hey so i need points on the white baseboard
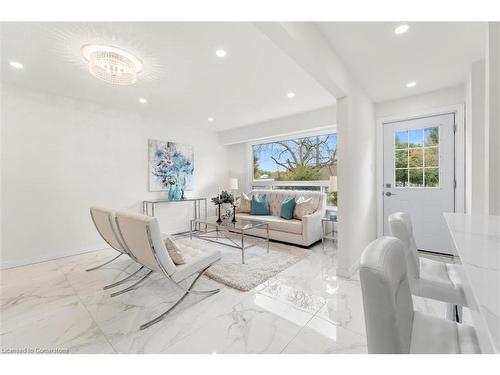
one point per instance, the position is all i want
(44, 258)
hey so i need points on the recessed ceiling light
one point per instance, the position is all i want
(290, 94)
(411, 84)
(16, 65)
(401, 29)
(210, 119)
(220, 53)
(143, 100)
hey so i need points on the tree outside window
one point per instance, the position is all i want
(304, 159)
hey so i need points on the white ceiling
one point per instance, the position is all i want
(184, 82)
(434, 54)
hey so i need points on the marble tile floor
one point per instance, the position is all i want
(307, 308)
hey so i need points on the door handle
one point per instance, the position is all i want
(388, 194)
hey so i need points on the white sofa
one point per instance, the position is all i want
(303, 232)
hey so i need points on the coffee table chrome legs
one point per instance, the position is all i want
(242, 247)
(267, 227)
(229, 235)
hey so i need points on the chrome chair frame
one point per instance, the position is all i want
(121, 242)
(165, 273)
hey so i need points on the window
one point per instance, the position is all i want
(302, 163)
(416, 158)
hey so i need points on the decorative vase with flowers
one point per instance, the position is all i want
(222, 198)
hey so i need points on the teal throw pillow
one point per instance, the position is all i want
(259, 205)
(287, 207)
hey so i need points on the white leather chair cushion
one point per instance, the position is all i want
(387, 301)
(401, 227)
(455, 275)
(276, 223)
(436, 282)
(391, 324)
(134, 230)
(196, 260)
(431, 335)
(104, 220)
(467, 339)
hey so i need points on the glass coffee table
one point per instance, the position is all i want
(220, 232)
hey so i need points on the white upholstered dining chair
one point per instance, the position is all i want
(392, 326)
(142, 237)
(104, 221)
(429, 278)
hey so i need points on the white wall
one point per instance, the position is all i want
(318, 119)
(61, 156)
(476, 172)
(239, 163)
(417, 103)
(493, 117)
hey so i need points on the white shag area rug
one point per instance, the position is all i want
(259, 265)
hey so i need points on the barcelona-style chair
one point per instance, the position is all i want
(392, 325)
(429, 278)
(142, 237)
(105, 223)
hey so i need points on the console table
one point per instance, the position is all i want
(148, 206)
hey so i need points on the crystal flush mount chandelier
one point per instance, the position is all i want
(112, 64)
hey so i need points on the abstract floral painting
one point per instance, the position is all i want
(170, 162)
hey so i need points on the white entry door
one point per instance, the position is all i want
(419, 177)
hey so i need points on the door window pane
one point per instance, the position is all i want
(401, 160)
(431, 177)
(431, 136)
(431, 156)
(401, 177)
(401, 139)
(416, 158)
(416, 177)
(416, 138)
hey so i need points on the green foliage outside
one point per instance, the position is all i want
(417, 164)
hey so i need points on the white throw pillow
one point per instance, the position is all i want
(174, 252)
(303, 207)
(244, 204)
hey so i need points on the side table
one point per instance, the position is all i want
(328, 234)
